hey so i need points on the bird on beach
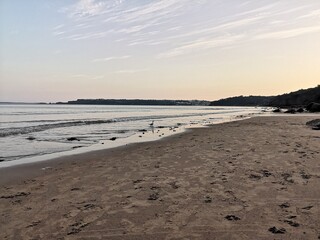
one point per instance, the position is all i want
(151, 124)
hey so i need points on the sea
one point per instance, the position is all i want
(36, 132)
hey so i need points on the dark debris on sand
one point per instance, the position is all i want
(275, 230)
(284, 205)
(291, 223)
(314, 124)
(232, 218)
(153, 196)
(19, 194)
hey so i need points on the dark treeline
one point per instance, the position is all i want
(242, 101)
(300, 98)
(137, 102)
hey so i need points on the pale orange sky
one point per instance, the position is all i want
(160, 49)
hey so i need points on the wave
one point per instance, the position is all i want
(24, 130)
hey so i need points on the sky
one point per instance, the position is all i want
(157, 49)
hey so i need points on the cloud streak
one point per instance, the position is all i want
(107, 59)
(85, 8)
(201, 45)
(166, 28)
(131, 71)
(289, 33)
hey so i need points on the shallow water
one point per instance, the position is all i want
(33, 130)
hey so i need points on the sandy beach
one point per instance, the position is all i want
(253, 179)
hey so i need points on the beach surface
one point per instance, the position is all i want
(253, 179)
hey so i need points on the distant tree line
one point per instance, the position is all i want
(298, 98)
(294, 99)
(242, 101)
(138, 102)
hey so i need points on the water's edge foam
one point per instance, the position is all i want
(107, 144)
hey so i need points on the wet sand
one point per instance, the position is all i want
(253, 179)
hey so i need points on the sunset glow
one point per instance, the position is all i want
(157, 49)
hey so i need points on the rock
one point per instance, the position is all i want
(300, 110)
(275, 230)
(277, 110)
(232, 218)
(314, 124)
(313, 107)
(30, 138)
(73, 139)
(113, 139)
(291, 110)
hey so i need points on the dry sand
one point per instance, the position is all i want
(252, 179)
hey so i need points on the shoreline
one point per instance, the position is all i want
(235, 180)
(155, 134)
(21, 170)
(25, 141)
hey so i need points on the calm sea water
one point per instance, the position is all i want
(32, 130)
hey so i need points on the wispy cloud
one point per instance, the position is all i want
(166, 24)
(239, 23)
(153, 10)
(130, 17)
(314, 13)
(90, 35)
(58, 27)
(111, 58)
(130, 71)
(87, 76)
(85, 8)
(288, 33)
(57, 33)
(202, 45)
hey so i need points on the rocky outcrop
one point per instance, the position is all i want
(314, 124)
(313, 107)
